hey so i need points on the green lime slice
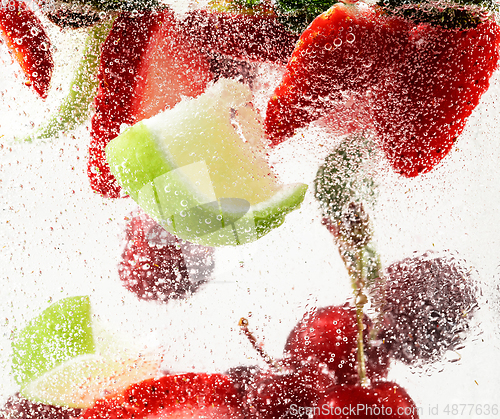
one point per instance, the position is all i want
(198, 169)
(63, 358)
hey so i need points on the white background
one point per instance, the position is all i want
(58, 239)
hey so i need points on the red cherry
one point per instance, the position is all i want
(385, 400)
(329, 335)
(158, 266)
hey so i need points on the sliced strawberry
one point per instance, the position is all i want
(26, 38)
(420, 113)
(345, 51)
(423, 79)
(147, 65)
(173, 396)
(241, 36)
(156, 265)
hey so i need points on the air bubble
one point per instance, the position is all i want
(337, 42)
(184, 203)
(350, 38)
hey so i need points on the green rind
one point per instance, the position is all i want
(296, 15)
(124, 5)
(168, 194)
(75, 108)
(449, 14)
(144, 161)
(61, 332)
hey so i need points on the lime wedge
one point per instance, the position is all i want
(63, 358)
(198, 169)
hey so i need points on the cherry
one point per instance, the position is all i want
(384, 400)
(329, 335)
(158, 266)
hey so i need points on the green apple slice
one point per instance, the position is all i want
(63, 358)
(198, 169)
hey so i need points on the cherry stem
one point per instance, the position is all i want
(352, 257)
(358, 282)
(243, 323)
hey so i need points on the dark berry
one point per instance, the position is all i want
(244, 378)
(429, 301)
(17, 407)
(156, 265)
(70, 14)
(231, 68)
(274, 395)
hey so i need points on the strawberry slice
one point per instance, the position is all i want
(423, 79)
(147, 65)
(445, 73)
(257, 37)
(26, 38)
(345, 51)
(173, 396)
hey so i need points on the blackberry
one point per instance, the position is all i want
(429, 301)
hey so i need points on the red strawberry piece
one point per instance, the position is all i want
(345, 119)
(240, 36)
(344, 52)
(420, 113)
(147, 65)
(26, 38)
(329, 335)
(158, 266)
(383, 400)
(185, 395)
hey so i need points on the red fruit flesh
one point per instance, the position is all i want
(240, 36)
(185, 395)
(147, 65)
(26, 38)
(158, 266)
(329, 335)
(353, 116)
(420, 112)
(385, 400)
(344, 51)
